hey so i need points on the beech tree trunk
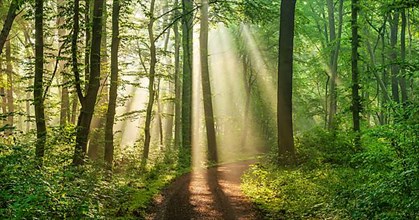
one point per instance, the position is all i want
(151, 92)
(285, 75)
(89, 101)
(41, 130)
(187, 44)
(206, 85)
(356, 99)
(113, 90)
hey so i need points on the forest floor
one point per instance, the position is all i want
(212, 193)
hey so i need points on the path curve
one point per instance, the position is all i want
(206, 194)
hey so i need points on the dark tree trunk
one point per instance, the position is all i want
(41, 130)
(113, 91)
(206, 85)
(65, 95)
(7, 26)
(187, 44)
(285, 73)
(151, 92)
(88, 103)
(356, 99)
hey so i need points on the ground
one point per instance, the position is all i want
(212, 193)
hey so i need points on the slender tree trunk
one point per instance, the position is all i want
(285, 74)
(334, 55)
(41, 131)
(89, 102)
(88, 33)
(28, 112)
(384, 77)
(65, 95)
(159, 112)
(402, 78)
(151, 92)
(113, 91)
(74, 106)
(187, 44)
(206, 85)
(10, 100)
(178, 83)
(393, 56)
(356, 100)
(7, 26)
(3, 97)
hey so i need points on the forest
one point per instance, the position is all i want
(209, 109)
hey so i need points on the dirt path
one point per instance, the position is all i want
(206, 194)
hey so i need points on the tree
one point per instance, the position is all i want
(356, 99)
(113, 90)
(88, 102)
(187, 44)
(151, 77)
(206, 85)
(178, 85)
(285, 72)
(41, 130)
(7, 26)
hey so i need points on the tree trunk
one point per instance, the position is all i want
(285, 74)
(402, 78)
(356, 100)
(3, 98)
(334, 55)
(206, 85)
(113, 90)
(393, 56)
(10, 100)
(65, 96)
(88, 103)
(187, 44)
(7, 26)
(151, 92)
(41, 131)
(178, 85)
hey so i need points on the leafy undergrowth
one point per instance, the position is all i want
(334, 181)
(62, 191)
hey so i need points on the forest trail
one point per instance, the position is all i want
(213, 194)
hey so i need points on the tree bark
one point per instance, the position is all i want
(394, 26)
(7, 26)
(285, 74)
(402, 78)
(178, 83)
(41, 131)
(10, 100)
(356, 99)
(187, 44)
(151, 92)
(113, 90)
(65, 95)
(88, 103)
(206, 86)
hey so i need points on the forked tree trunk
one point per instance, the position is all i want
(89, 101)
(151, 92)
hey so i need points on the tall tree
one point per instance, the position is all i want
(285, 72)
(113, 90)
(187, 44)
(41, 130)
(7, 26)
(151, 77)
(10, 99)
(206, 85)
(402, 78)
(65, 96)
(178, 86)
(394, 28)
(88, 102)
(356, 99)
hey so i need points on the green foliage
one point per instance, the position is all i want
(332, 180)
(62, 191)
